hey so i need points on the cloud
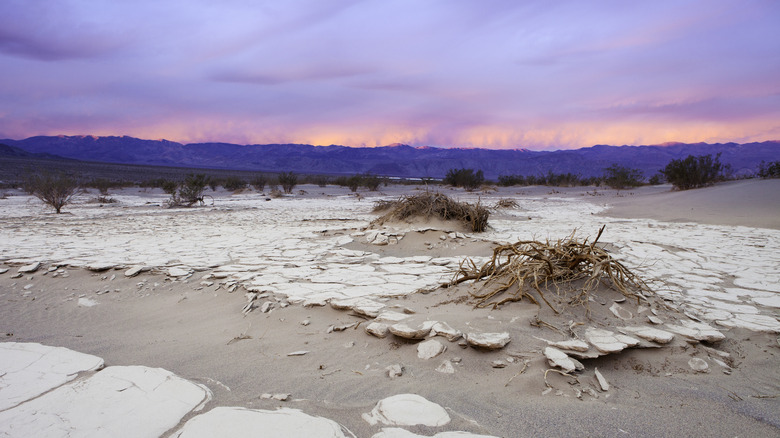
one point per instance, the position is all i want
(494, 74)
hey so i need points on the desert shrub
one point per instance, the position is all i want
(169, 186)
(189, 192)
(550, 179)
(321, 180)
(619, 177)
(655, 180)
(288, 181)
(465, 178)
(354, 182)
(511, 180)
(103, 199)
(341, 181)
(371, 181)
(233, 183)
(102, 185)
(428, 205)
(259, 182)
(693, 172)
(55, 191)
(769, 170)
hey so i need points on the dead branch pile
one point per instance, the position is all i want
(506, 203)
(527, 266)
(429, 205)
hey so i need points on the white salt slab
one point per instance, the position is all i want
(131, 402)
(87, 302)
(241, 422)
(558, 358)
(394, 432)
(430, 349)
(407, 410)
(773, 301)
(27, 370)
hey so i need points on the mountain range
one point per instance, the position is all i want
(394, 160)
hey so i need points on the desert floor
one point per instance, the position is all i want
(710, 256)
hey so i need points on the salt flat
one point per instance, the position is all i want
(283, 260)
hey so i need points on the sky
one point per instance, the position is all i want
(499, 74)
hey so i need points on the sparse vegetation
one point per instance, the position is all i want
(769, 170)
(656, 179)
(102, 185)
(427, 205)
(371, 181)
(619, 177)
(693, 172)
(55, 191)
(321, 180)
(353, 182)
(189, 192)
(169, 186)
(259, 183)
(233, 183)
(550, 179)
(465, 178)
(288, 181)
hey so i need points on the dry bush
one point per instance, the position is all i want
(55, 191)
(506, 203)
(429, 205)
(276, 193)
(288, 181)
(519, 269)
(190, 192)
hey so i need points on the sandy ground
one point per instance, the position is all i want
(750, 203)
(193, 326)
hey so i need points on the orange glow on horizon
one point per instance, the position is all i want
(562, 136)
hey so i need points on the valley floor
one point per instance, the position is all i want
(137, 284)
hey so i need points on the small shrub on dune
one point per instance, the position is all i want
(619, 177)
(427, 205)
(694, 172)
(769, 170)
(572, 268)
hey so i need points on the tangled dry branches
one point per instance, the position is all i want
(524, 266)
(506, 203)
(433, 205)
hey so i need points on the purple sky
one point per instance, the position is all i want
(497, 74)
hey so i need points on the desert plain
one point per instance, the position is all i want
(253, 305)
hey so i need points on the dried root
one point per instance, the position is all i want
(526, 266)
(433, 205)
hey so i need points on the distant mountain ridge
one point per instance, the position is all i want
(394, 160)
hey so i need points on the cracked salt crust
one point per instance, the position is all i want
(281, 245)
